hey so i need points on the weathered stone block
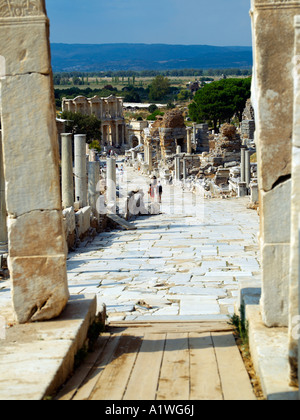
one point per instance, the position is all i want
(83, 220)
(30, 144)
(275, 284)
(25, 233)
(23, 49)
(35, 298)
(275, 214)
(273, 77)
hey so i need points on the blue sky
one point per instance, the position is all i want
(211, 22)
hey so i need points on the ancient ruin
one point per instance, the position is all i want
(108, 110)
(201, 265)
(37, 252)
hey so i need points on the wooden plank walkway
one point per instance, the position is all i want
(162, 361)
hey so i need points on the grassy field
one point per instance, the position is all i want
(144, 82)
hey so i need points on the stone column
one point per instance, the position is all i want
(93, 178)
(273, 41)
(294, 289)
(243, 177)
(123, 134)
(111, 180)
(178, 150)
(67, 184)
(177, 169)
(184, 170)
(247, 168)
(194, 133)
(3, 223)
(117, 134)
(150, 158)
(146, 153)
(37, 246)
(80, 170)
(189, 140)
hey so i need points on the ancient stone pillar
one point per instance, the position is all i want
(3, 224)
(80, 170)
(294, 310)
(243, 178)
(184, 169)
(273, 41)
(247, 168)
(177, 169)
(150, 158)
(189, 140)
(93, 179)
(117, 134)
(111, 180)
(67, 184)
(37, 251)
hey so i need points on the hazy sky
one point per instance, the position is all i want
(211, 22)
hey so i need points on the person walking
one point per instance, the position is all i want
(151, 192)
(159, 191)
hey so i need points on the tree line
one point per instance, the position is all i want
(81, 77)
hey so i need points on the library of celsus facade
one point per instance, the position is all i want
(108, 110)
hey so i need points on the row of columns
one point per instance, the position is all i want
(178, 172)
(108, 130)
(86, 174)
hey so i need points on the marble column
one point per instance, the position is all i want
(177, 169)
(36, 238)
(243, 173)
(184, 170)
(93, 179)
(3, 216)
(67, 183)
(247, 168)
(189, 140)
(272, 99)
(80, 170)
(111, 184)
(294, 263)
(150, 157)
(117, 134)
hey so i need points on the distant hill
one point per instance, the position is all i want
(113, 57)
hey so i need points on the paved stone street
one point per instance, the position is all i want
(183, 264)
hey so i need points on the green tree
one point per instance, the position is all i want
(159, 88)
(184, 95)
(83, 124)
(220, 101)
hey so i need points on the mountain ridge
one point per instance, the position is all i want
(124, 56)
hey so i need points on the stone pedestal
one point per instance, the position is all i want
(37, 247)
(80, 169)
(67, 184)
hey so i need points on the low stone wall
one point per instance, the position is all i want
(78, 225)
